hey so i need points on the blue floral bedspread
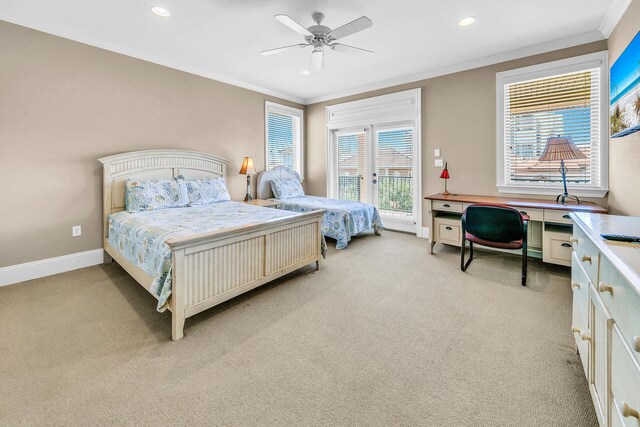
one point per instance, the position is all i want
(342, 219)
(141, 237)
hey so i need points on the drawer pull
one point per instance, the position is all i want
(602, 287)
(448, 228)
(575, 330)
(575, 285)
(566, 245)
(586, 258)
(573, 240)
(636, 343)
(446, 205)
(585, 337)
(628, 411)
(566, 216)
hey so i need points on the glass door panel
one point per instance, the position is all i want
(395, 172)
(352, 166)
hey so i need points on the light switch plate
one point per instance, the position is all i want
(436, 152)
(439, 163)
(76, 231)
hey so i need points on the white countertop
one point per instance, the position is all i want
(624, 256)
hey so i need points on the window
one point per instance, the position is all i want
(565, 98)
(283, 131)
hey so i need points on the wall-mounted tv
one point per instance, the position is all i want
(624, 91)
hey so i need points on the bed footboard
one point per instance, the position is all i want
(212, 268)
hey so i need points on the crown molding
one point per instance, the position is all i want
(576, 40)
(71, 35)
(613, 16)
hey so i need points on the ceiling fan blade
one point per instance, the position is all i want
(286, 20)
(349, 49)
(352, 27)
(282, 49)
(317, 59)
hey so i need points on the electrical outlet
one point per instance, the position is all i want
(76, 231)
(439, 163)
(436, 152)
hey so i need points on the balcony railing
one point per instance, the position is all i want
(395, 193)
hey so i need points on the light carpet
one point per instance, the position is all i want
(384, 334)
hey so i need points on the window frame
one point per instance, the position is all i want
(550, 69)
(298, 147)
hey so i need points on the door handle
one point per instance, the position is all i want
(375, 174)
(375, 181)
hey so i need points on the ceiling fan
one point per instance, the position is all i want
(320, 36)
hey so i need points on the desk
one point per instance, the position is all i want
(550, 226)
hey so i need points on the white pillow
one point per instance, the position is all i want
(286, 188)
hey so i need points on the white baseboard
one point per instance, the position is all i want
(424, 233)
(47, 267)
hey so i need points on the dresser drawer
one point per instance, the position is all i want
(587, 253)
(447, 230)
(560, 217)
(625, 381)
(580, 287)
(439, 205)
(556, 248)
(623, 303)
(580, 330)
(534, 214)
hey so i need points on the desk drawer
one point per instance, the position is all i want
(556, 248)
(587, 253)
(439, 205)
(534, 214)
(625, 382)
(560, 217)
(580, 329)
(580, 287)
(447, 230)
(622, 302)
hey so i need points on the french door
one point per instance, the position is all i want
(377, 165)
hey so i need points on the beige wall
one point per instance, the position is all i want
(624, 153)
(64, 104)
(458, 116)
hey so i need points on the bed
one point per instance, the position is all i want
(342, 219)
(239, 248)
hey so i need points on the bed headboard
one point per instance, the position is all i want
(153, 164)
(263, 184)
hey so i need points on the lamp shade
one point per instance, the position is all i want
(561, 148)
(445, 172)
(247, 167)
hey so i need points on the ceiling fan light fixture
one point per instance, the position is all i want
(160, 11)
(465, 22)
(305, 72)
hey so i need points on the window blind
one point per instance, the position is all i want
(352, 164)
(283, 139)
(568, 105)
(395, 170)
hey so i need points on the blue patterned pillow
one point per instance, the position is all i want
(155, 194)
(286, 188)
(204, 191)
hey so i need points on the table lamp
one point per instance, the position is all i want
(248, 169)
(562, 148)
(445, 175)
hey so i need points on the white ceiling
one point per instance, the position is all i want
(412, 39)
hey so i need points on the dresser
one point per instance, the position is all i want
(605, 279)
(549, 229)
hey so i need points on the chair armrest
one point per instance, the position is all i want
(525, 217)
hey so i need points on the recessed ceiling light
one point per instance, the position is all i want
(305, 72)
(467, 21)
(160, 11)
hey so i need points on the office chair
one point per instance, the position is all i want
(495, 226)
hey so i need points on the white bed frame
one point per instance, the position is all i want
(210, 268)
(263, 182)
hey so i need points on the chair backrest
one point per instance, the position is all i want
(495, 223)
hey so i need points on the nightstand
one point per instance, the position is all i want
(263, 203)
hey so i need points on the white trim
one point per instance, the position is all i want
(72, 35)
(592, 60)
(298, 152)
(47, 267)
(484, 61)
(612, 17)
